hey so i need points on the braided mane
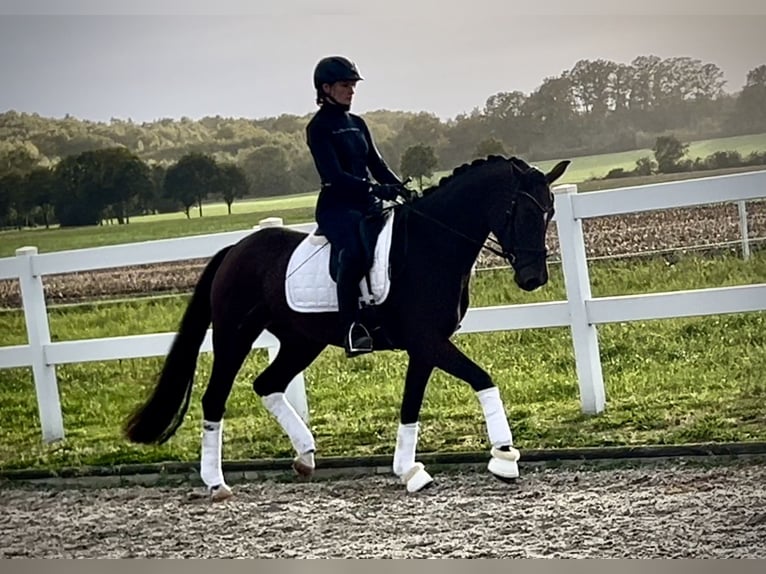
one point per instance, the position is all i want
(470, 167)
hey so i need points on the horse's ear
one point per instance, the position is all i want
(557, 171)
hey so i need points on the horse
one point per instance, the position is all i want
(436, 238)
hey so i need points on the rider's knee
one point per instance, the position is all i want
(351, 260)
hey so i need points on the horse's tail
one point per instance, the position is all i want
(163, 412)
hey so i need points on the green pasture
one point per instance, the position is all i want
(61, 239)
(240, 207)
(669, 381)
(597, 166)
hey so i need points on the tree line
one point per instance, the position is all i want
(121, 168)
(108, 184)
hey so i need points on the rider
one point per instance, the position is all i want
(345, 156)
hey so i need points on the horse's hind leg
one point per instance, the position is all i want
(230, 348)
(295, 354)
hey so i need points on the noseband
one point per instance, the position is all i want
(510, 254)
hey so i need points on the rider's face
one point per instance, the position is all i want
(341, 92)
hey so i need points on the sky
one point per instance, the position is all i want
(153, 59)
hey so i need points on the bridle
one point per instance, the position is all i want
(510, 213)
(493, 245)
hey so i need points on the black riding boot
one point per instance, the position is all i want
(356, 339)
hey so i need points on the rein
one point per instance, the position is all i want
(490, 244)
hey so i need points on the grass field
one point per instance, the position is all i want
(597, 166)
(60, 239)
(670, 381)
(240, 207)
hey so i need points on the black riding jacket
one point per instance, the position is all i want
(345, 156)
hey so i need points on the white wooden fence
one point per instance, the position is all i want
(581, 312)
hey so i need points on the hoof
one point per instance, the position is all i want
(417, 478)
(220, 493)
(504, 464)
(303, 465)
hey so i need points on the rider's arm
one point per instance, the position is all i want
(375, 162)
(330, 171)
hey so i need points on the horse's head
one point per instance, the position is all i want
(519, 219)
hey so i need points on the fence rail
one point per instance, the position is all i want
(580, 311)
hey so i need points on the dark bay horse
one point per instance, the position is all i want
(435, 243)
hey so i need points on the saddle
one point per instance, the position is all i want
(312, 271)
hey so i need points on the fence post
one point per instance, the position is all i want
(38, 335)
(743, 230)
(577, 282)
(296, 389)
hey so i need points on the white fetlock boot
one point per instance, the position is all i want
(417, 478)
(296, 429)
(210, 463)
(411, 473)
(504, 458)
(504, 463)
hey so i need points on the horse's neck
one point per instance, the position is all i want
(463, 227)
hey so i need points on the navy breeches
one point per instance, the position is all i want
(341, 227)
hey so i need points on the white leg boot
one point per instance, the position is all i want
(504, 458)
(210, 461)
(299, 434)
(411, 473)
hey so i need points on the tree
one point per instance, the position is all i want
(124, 178)
(505, 105)
(621, 81)
(5, 201)
(462, 138)
(11, 197)
(191, 180)
(643, 89)
(668, 150)
(422, 128)
(418, 161)
(77, 196)
(751, 104)
(268, 169)
(232, 184)
(552, 111)
(593, 85)
(39, 186)
(552, 102)
(489, 146)
(504, 117)
(645, 166)
(19, 159)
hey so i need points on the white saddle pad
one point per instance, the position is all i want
(309, 287)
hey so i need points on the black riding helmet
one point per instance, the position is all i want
(334, 69)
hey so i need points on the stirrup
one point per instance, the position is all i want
(360, 344)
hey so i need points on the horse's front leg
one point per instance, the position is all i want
(412, 473)
(504, 458)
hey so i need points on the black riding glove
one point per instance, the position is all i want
(386, 191)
